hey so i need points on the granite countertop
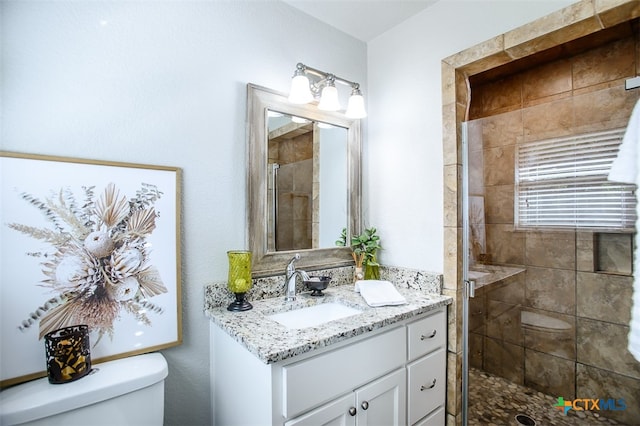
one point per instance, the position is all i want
(272, 342)
(489, 274)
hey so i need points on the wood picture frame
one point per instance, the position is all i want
(87, 242)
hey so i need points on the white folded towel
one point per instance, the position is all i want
(379, 293)
(625, 166)
(625, 169)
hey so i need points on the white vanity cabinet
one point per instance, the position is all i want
(382, 377)
(426, 372)
(381, 402)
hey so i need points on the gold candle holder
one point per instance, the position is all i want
(239, 282)
(68, 354)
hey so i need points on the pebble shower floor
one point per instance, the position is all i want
(494, 401)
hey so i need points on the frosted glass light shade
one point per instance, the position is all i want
(300, 92)
(355, 109)
(329, 99)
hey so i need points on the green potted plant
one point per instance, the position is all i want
(364, 250)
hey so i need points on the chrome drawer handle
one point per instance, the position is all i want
(433, 384)
(365, 405)
(352, 411)
(433, 334)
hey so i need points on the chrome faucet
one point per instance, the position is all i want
(290, 280)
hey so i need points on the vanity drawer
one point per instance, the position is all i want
(427, 334)
(427, 384)
(319, 379)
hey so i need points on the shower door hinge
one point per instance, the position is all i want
(470, 288)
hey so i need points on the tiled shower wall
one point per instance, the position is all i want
(580, 278)
(295, 190)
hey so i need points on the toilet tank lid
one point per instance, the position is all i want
(40, 399)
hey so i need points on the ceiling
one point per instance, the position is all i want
(362, 19)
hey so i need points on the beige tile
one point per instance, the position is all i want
(584, 251)
(453, 420)
(448, 83)
(551, 249)
(477, 313)
(506, 95)
(548, 120)
(499, 204)
(551, 290)
(476, 351)
(475, 160)
(479, 56)
(547, 80)
(604, 345)
(475, 109)
(450, 135)
(604, 297)
(509, 290)
(603, 109)
(611, 62)
(502, 129)
(549, 374)
(452, 196)
(499, 165)
(454, 323)
(505, 245)
(504, 359)
(454, 383)
(613, 12)
(593, 382)
(452, 259)
(492, 61)
(462, 93)
(503, 322)
(550, 333)
(557, 28)
(614, 253)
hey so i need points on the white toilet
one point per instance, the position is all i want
(127, 391)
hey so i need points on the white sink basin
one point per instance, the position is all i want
(313, 316)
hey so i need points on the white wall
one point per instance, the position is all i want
(403, 167)
(162, 82)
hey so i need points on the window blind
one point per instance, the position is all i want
(562, 183)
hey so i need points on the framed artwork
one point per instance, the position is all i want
(86, 242)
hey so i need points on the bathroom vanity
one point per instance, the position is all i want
(385, 364)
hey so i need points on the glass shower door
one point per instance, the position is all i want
(468, 284)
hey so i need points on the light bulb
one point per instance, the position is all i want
(300, 92)
(355, 109)
(329, 99)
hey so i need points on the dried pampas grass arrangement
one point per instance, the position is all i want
(99, 264)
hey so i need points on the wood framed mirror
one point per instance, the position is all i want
(303, 183)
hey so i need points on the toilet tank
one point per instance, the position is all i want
(127, 391)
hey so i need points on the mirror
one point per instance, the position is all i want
(304, 184)
(307, 190)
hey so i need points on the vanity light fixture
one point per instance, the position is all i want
(309, 83)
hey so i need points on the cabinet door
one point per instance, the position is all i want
(383, 402)
(340, 412)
